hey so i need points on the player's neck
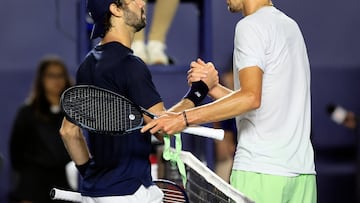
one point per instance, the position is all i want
(123, 37)
(252, 6)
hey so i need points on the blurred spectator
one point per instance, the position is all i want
(153, 52)
(343, 117)
(348, 119)
(37, 153)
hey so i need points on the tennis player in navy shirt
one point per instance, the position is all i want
(115, 168)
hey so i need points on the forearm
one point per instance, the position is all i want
(157, 109)
(77, 149)
(75, 143)
(236, 103)
(230, 106)
(182, 105)
(219, 91)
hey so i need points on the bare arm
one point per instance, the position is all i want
(234, 104)
(74, 142)
(182, 105)
(219, 91)
(238, 102)
(158, 109)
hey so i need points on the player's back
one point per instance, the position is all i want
(120, 163)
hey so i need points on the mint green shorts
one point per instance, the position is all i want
(263, 188)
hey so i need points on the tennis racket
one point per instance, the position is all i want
(173, 193)
(102, 111)
(65, 195)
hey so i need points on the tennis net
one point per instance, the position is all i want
(204, 186)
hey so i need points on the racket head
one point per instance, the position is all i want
(100, 110)
(172, 191)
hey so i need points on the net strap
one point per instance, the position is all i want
(174, 156)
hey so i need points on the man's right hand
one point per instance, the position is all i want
(199, 70)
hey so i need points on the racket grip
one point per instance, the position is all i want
(205, 132)
(57, 194)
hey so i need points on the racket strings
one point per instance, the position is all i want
(114, 112)
(173, 196)
(172, 192)
(101, 110)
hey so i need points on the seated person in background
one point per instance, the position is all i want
(343, 117)
(350, 120)
(38, 156)
(153, 52)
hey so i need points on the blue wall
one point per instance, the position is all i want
(331, 28)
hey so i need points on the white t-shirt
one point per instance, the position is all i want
(275, 138)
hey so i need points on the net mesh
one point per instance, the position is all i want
(100, 110)
(203, 185)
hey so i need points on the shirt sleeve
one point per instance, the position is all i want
(84, 74)
(249, 46)
(140, 87)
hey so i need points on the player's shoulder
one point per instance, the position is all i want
(26, 106)
(109, 52)
(25, 110)
(118, 54)
(262, 16)
(135, 60)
